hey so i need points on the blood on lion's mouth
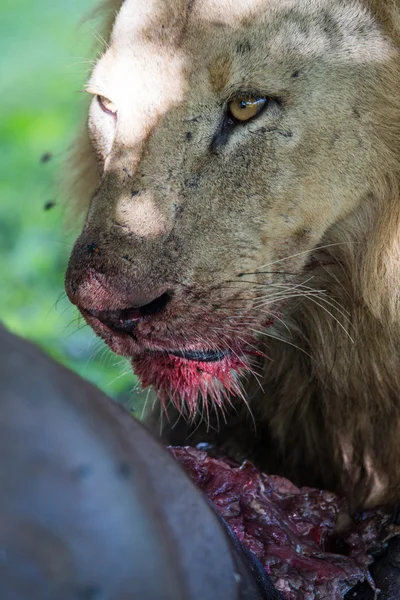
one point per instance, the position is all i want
(191, 378)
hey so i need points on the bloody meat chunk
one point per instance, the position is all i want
(291, 529)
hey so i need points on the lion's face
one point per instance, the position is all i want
(184, 255)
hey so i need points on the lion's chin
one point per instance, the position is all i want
(193, 379)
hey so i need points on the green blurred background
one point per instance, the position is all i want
(45, 50)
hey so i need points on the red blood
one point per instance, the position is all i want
(186, 382)
(191, 384)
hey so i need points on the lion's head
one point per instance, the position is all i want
(231, 139)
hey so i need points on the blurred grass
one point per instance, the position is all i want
(44, 64)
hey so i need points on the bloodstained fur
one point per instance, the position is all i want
(186, 382)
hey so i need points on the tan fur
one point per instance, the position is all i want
(219, 72)
(310, 188)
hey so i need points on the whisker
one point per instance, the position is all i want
(284, 324)
(68, 335)
(332, 301)
(307, 252)
(284, 341)
(97, 35)
(246, 402)
(267, 273)
(62, 295)
(145, 405)
(272, 299)
(162, 413)
(118, 377)
(334, 318)
(98, 350)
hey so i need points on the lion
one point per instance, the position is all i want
(240, 177)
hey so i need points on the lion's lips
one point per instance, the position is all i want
(125, 342)
(200, 355)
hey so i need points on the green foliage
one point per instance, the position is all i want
(44, 54)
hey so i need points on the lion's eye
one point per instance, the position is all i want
(107, 105)
(244, 109)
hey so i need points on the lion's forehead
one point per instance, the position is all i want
(177, 22)
(158, 46)
(137, 15)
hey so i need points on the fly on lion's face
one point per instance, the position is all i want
(242, 152)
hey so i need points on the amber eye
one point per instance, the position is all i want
(243, 109)
(107, 105)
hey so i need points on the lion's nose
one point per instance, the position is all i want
(126, 319)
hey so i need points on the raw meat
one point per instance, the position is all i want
(292, 530)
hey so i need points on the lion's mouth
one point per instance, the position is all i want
(200, 355)
(182, 372)
(124, 340)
